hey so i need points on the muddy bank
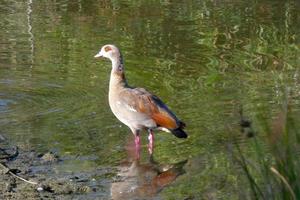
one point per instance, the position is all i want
(27, 174)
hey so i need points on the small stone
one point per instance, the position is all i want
(49, 157)
(84, 189)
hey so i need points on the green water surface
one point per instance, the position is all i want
(206, 59)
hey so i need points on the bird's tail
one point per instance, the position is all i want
(179, 132)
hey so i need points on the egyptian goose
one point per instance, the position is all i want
(135, 107)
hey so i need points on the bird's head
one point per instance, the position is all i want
(108, 51)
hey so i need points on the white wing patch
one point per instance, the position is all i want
(131, 108)
(126, 106)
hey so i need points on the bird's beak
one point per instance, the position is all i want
(98, 55)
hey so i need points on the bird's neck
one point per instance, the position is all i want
(117, 76)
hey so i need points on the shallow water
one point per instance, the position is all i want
(205, 59)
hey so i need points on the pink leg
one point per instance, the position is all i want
(137, 141)
(151, 141)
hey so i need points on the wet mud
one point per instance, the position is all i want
(26, 174)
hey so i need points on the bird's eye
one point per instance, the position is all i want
(107, 48)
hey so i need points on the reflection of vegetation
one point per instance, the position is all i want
(200, 57)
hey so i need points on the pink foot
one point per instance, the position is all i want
(151, 142)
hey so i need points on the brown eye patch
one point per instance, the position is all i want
(107, 48)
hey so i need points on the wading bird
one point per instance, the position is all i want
(136, 107)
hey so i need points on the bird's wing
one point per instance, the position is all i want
(141, 101)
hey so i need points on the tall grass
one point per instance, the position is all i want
(275, 174)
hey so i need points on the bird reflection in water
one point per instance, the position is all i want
(140, 180)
